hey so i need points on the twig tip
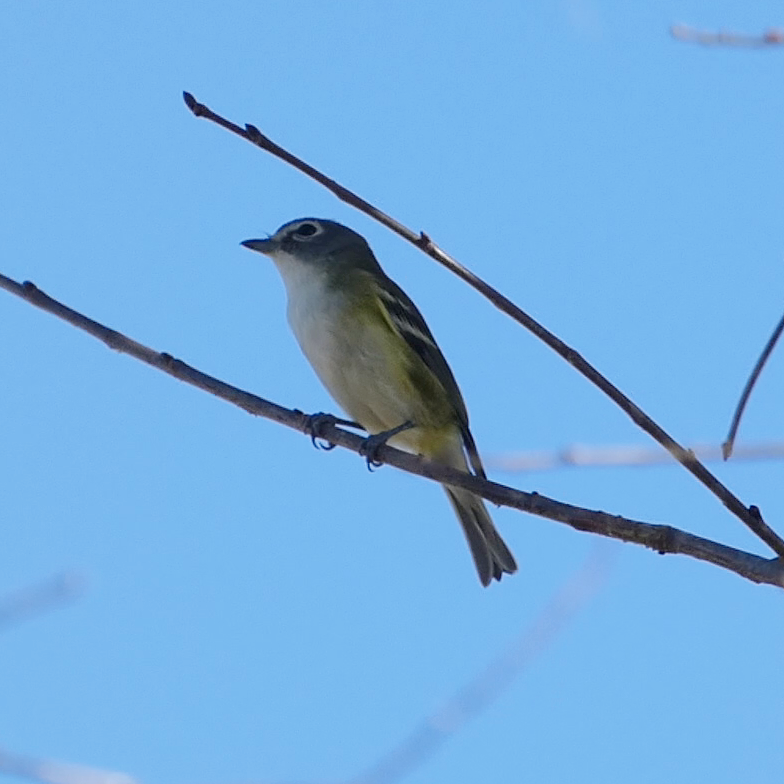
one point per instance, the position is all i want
(679, 31)
(192, 103)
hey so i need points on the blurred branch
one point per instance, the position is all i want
(53, 772)
(425, 740)
(661, 538)
(752, 520)
(728, 445)
(771, 37)
(39, 598)
(581, 456)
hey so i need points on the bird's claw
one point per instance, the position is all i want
(314, 426)
(369, 450)
(370, 446)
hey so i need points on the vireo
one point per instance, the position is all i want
(373, 352)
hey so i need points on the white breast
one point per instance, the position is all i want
(350, 357)
(315, 313)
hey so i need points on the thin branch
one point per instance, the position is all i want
(728, 445)
(425, 740)
(39, 598)
(661, 538)
(47, 771)
(771, 37)
(752, 520)
(582, 456)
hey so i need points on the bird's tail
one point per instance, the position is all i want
(491, 555)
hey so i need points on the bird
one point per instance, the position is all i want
(372, 350)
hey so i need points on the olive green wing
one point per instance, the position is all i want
(412, 327)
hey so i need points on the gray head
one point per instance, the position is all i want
(316, 241)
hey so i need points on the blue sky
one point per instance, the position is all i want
(257, 610)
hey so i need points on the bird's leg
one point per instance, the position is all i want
(315, 424)
(371, 445)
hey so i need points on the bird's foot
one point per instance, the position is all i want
(315, 424)
(371, 445)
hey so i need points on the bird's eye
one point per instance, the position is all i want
(305, 230)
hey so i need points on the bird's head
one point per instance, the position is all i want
(315, 242)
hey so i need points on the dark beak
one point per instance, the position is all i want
(262, 246)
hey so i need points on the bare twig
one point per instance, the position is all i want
(38, 598)
(728, 445)
(53, 772)
(581, 456)
(661, 538)
(425, 740)
(751, 519)
(772, 37)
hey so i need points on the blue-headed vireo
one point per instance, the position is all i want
(373, 352)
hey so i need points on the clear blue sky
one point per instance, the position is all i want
(257, 610)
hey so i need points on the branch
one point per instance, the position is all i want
(581, 456)
(753, 520)
(728, 445)
(475, 696)
(52, 772)
(38, 598)
(427, 737)
(661, 538)
(771, 37)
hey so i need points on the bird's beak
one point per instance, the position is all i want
(267, 247)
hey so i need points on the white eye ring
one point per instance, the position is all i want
(305, 231)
